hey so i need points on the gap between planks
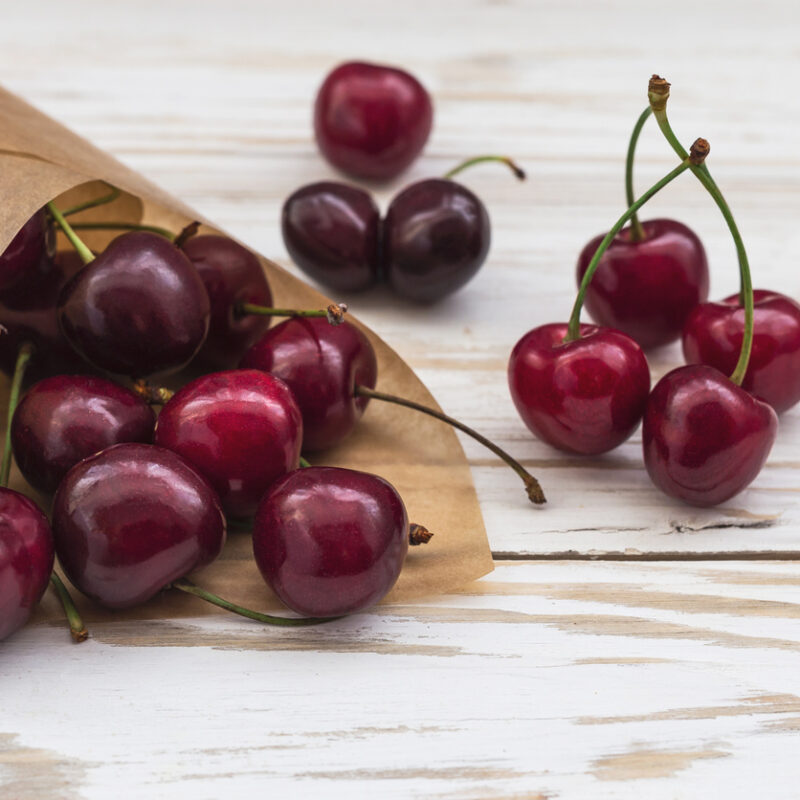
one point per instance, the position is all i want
(575, 555)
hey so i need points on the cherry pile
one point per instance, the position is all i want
(707, 427)
(143, 500)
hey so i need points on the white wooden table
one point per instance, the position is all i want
(625, 646)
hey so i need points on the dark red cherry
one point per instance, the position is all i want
(28, 314)
(64, 419)
(371, 121)
(436, 237)
(584, 396)
(713, 335)
(705, 439)
(26, 559)
(232, 276)
(241, 429)
(132, 519)
(138, 309)
(321, 364)
(647, 288)
(33, 242)
(330, 541)
(332, 231)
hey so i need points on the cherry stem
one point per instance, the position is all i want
(574, 327)
(534, 490)
(658, 101)
(418, 534)
(23, 357)
(268, 619)
(76, 627)
(334, 313)
(515, 168)
(304, 463)
(637, 232)
(123, 226)
(83, 251)
(98, 201)
(154, 395)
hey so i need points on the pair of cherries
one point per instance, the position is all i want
(705, 437)
(433, 240)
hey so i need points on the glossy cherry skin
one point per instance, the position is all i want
(130, 520)
(232, 276)
(713, 335)
(586, 396)
(33, 242)
(436, 237)
(26, 559)
(330, 541)
(648, 288)
(66, 418)
(241, 429)
(371, 121)
(28, 313)
(332, 232)
(704, 438)
(321, 364)
(138, 309)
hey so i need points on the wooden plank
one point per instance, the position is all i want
(546, 680)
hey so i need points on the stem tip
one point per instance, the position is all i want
(699, 151)
(335, 313)
(186, 234)
(418, 534)
(535, 493)
(658, 92)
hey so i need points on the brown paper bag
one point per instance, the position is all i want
(41, 160)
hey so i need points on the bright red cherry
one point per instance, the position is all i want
(241, 429)
(713, 335)
(28, 314)
(26, 559)
(33, 242)
(321, 364)
(132, 519)
(232, 276)
(436, 237)
(139, 308)
(371, 121)
(584, 396)
(704, 438)
(332, 232)
(64, 419)
(647, 288)
(330, 541)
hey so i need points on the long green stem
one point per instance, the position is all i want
(334, 313)
(287, 622)
(83, 251)
(534, 490)
(23, 357)
(123, 226)
(573, 330)
(659, 105)
(470, 162)
(76, 627)
(637, 232)
(98, 201)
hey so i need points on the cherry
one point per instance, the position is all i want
(322, 366)
(26, 559)
(436, 237)
(371, 120)
(232, 276)
(647, 287)
(28, 314)
(241, 429)
(330, 541)
(584, 396)
(138, 308)
(130, 520)
(705, 438)
(332, 232)
(33, 242)
(713, 335)
(64, 419)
